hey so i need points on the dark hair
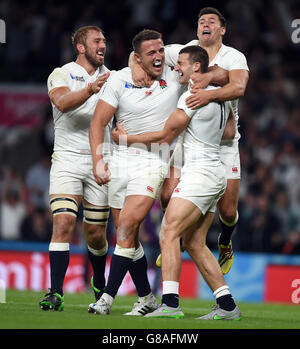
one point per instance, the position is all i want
(79, 37)
(212, 10)
(197, 54)
(144, 35)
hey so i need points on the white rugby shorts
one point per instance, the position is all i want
(230, 158)
(72, 174)
(134, 174)
(203, 187)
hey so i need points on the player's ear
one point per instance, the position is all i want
(223, 31)
(80, 48)
(137, 58)
(197, 67)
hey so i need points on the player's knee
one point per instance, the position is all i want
(165, 198)
(63, 227)
(194, 249)
(95, 234)
(228, 214)
(64, 210)
(128, 227)
(169, 231)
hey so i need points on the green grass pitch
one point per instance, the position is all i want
(21, 311)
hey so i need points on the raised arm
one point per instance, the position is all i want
(102, 116)
(66, 100)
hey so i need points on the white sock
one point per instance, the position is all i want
(99, 253)
(221, 291)
(59, 246)
(170, 287)
(139, 253)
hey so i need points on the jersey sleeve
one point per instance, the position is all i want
(58, 78)
(234, 60)
(182, 105)
(110, 92)
(171, 54)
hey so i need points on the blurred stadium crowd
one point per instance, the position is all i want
(38, 40)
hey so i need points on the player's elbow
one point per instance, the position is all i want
(61, 106)
(239, 90)
(169, 136)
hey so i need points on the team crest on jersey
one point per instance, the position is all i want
(77, 78)
(163, 83)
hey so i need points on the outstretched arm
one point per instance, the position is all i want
(176, 123)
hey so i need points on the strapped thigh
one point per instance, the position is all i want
(64, 205)
(95, 214)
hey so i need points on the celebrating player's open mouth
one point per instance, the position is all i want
(206, 33)
(100, 54)
(158, 66)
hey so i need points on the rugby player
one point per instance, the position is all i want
(74, 91)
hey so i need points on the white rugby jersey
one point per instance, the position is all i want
(142, 109)
(202, 137)
(72, 128)
(227, 58)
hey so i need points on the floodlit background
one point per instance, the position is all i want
(38, 39)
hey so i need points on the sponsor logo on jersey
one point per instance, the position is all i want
(77, 78)
(163, 84)
(235, 170)
(177, 190)
(130, 85)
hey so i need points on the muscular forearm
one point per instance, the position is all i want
(96, 136)
(227, 93)
(218, 76)
(146, 138)
(74, 99)
(236, 87)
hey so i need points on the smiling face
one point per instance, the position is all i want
(151, 57)
(186, 68)
(210, 30)
(94, 48)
